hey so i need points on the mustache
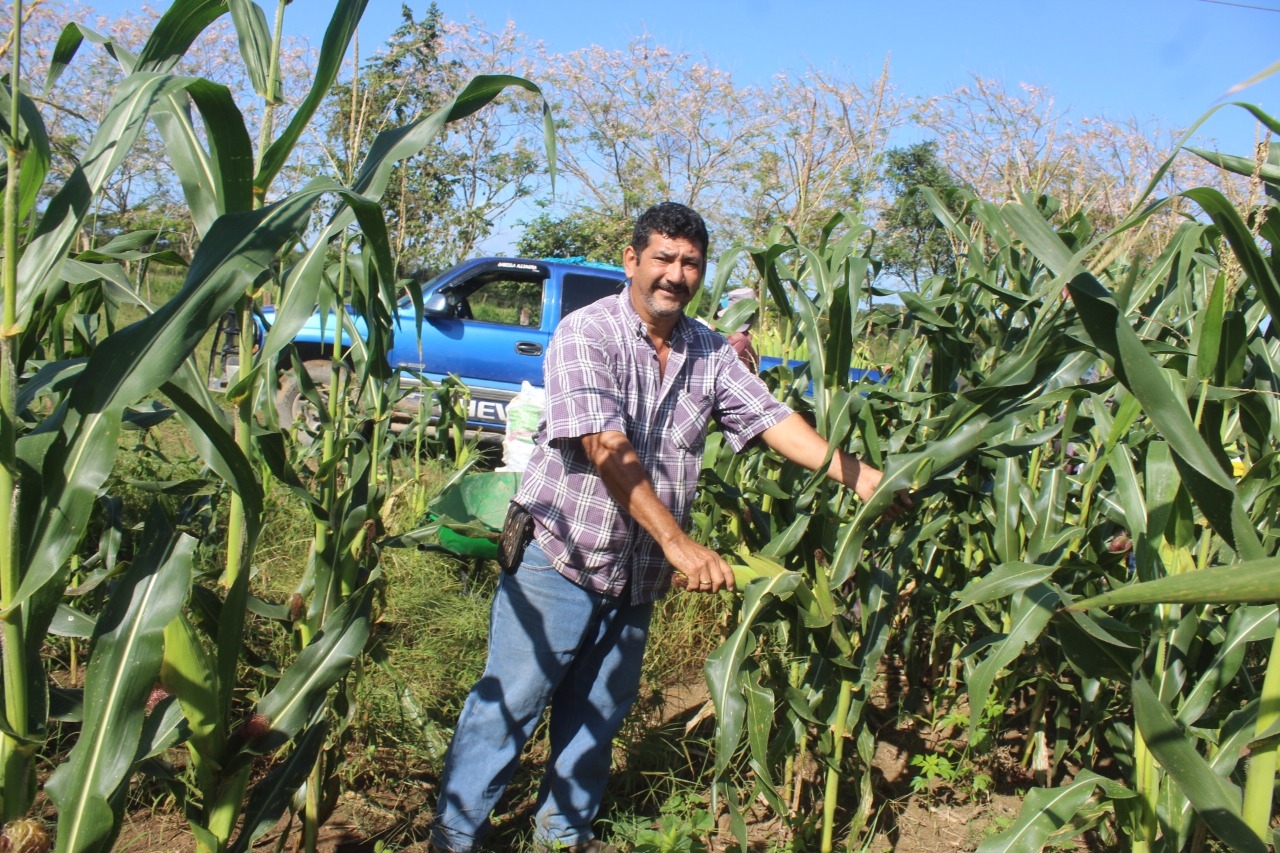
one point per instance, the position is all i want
(677, 289)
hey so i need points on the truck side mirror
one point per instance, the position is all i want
(437, 305)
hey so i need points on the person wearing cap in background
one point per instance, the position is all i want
(740, 338)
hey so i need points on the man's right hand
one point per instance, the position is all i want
(704, 569)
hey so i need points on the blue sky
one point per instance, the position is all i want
(1156, 60)
(1165, 60)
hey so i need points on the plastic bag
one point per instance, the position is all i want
(523, 414)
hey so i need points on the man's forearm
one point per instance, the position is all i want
(795, 440)
(619, 466)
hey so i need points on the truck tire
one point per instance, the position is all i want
(292, 406)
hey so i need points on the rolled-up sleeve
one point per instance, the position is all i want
(744, 408)
(583, 394)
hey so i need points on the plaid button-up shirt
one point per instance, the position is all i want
(601, 374)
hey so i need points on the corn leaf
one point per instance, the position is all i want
(294, 700)
(1046, 810)
(271, 797)
(60, 225)
(1214, 798)
(123, 669)
(255, 46)
(1210, 487)
(337, 38)
(1252, 582)
(1031, 612)
(1246, 625)
(187, 671)
(180, 25)
(32, 140)
(724, 664)
(1005, 579)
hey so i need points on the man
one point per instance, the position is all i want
(632, 385)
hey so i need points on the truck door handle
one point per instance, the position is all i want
(528, 348)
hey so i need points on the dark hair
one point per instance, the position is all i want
(670, 219)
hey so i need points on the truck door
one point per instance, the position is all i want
(489, 326)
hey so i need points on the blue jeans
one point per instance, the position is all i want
(550, 642)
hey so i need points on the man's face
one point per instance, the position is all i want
(664, 276)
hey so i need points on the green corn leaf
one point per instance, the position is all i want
(337, 38)
(1045, 244)
(1031, 612)
(32, 140)
(879, 593)
(1243, 245)
(1117, 458)
(724, 664)
(1046, 810)
(60, 224)
(1048, 532)
(188, 672)
(1246, 625)
(1252, 582)
(302, 292)
(72, 623)
(908, 471)
(1214, 798)
(1240, 165)
(70, 39)
(1092, 651)
(54, 516)
(180, 25)
(301, 691)
(1209, 331)
(219, 180)
(255, 46)
(1007, 502)
(1004, 580)
(760, 714)
(213, 440)
(165, 728)
(271, 797)
(122, 671)
(1210, 487)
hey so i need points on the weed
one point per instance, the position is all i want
(683, 827)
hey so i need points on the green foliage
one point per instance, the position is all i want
(1069, 433)
(917, 243)
(682, 828)
(598, 237)
(90, 380)
(440, 200)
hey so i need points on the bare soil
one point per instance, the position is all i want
(396, 812)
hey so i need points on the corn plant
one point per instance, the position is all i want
(159, 627)
(1071, 418)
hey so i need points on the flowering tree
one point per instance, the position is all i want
(647, 124)
(1003, 143)
(443, 201)
(826, 138)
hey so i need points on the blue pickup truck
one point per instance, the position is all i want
(487, 321)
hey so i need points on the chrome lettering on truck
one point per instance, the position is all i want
(487, 410)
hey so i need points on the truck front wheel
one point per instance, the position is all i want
(293, 407)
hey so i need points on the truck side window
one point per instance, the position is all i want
(511, 303)
(581, 290)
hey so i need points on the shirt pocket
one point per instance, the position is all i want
(690, 419)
